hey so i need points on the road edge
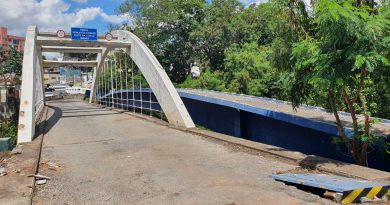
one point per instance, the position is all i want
(42, 130)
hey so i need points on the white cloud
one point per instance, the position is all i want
(48, 15)
(80, 1)
(115, 19)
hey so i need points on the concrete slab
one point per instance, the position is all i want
(106, 157)
(296, 158)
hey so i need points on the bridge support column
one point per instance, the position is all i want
(29, 97)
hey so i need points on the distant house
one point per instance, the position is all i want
(51, 76)
(7, 41)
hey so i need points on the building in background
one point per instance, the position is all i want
(51, 76)
(7, 41)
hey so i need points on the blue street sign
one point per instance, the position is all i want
(84, 34)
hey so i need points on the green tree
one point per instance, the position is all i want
(207, 81)
(289, 24)
(348, 50)
(10, 65)
(217, 31)
(248, 70)
(165, 26)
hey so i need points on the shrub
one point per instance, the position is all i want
(9, 129)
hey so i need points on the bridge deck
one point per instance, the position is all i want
(111, 158)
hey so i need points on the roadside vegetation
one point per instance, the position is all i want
(10, 72)
(9, 129)
(329, 53)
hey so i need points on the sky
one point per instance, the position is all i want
(52, 15)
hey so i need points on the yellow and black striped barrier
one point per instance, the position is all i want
(355, 196)
(342, 189)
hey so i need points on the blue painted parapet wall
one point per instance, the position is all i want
(269, 127)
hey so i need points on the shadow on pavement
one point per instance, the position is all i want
(85, 110)
(58, 113)
(46, 125)
(91, 115)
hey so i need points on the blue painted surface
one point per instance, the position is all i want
(218, 118)
(266, 126)
(327, 182)
(316, 125)
(84, 34)
(149, 100)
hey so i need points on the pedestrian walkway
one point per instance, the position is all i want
(98, 156)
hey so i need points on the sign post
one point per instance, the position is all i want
(84, 34)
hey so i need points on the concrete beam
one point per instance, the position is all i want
(67, 35)
(48, 63)
(63, 49)
(55, 41)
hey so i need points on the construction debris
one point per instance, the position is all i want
(2, 171)
(41, 182)
(341, 189)
(38, 176)
(52, 165)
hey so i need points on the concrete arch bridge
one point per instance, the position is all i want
(116, 59)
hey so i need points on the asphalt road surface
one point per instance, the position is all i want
(98, 156)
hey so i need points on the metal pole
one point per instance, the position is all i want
(112, 86)
(132, 79)
(103, 91)
(140, 89)
(120, 78)
(116, 79)
(150, 101)
(97, 88)
(104, 82)
(127, 92)
(101, 87)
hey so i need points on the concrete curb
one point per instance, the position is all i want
(42, 130)
(306, 161)
(297, 158)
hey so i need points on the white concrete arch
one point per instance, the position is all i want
(157, 79)
(32, 92)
